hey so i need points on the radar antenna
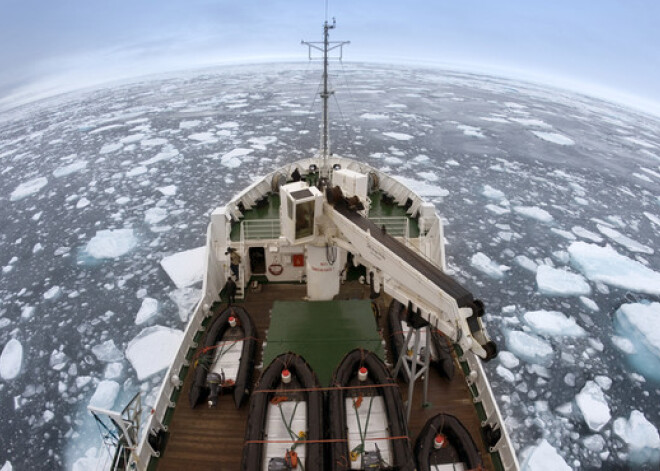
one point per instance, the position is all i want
(325, 47)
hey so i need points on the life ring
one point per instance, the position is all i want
(275, 269)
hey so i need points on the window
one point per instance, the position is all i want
(304, 219)
(289, 206)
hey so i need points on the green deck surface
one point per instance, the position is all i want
(322, 332)
(381, 209)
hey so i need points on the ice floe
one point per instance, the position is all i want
(11, 359)
(185, 268)
(534, 212)
(606, 265)
(28, 188)
(471, 131)
(543, 457)
(558, 282)
(641, 321)
(107, 352)
(508, 359)
(69, 169)
(169, 190)
(554, 137)
(105, 395)
(232, 159)
(153, 350)
(593, 406)
(529, 347)
(109, 148)
(148, 310)
(553, 323)
(484, 264)
(399, 136)
(624, 240)
(423, 189)
(492, 193)
(641, 436)
(111, 243)
(586, 234)
(155, 215)
(185, 299)
(589, 304)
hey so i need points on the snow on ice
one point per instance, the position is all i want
(11, 360)
(642, 322)
(148, 310)
(169, 190)
(28, 188)
(153, 350)
(484, 264)
(111, 243)
(593, 406)
(492, 193)
(553, 323)
(185, 268)
(544, 457)
(557, 282)
(155, 215)
(233, 159)
(608, 266)
(529, 347)
(105, 395)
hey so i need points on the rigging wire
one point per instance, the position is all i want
(346, 127)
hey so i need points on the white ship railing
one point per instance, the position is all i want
(485, 396)
(259, 229)
(394, 226)
(213, 282)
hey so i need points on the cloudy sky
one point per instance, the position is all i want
(606, 48)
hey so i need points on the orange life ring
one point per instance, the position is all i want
(275, 269)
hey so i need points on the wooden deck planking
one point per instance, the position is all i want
(203, 439)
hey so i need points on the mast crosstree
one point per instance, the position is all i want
(326, 46)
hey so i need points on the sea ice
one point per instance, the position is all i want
(111, 243)
(185, 299)
(155, 215)
(69, 169)
(506, 374)
(108, 148)
(642, 321)
(185, 268)
(107, 352)
(653, 218)
(204, 137)
(484, 264)
(534, 212)
(529, 347)
(606, 265)
(169, 190)
(499, 210)
(626, 241)
(153, 350)
(113, 370)
(492, 193)
(398, 136)
(235, 158)
(28, 188)
(82, 203)
(553, 323)
(423, 189)
(105, 395)
(554, 137)
(557, 282)
(52, 293)
(11, 360)
(471, 131)
(136, 171)
(640, 435)
(148, 310)
(589, 304)
(508, 359)
(593, 406)
(586, 234)
(544, 457)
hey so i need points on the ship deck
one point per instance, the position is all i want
(203, 438)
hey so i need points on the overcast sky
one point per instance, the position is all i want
(605, 48)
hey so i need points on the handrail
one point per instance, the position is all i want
(395, 226)
(259, 229)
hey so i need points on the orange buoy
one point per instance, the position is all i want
(286, 376)
(363, 373)
(232, 321)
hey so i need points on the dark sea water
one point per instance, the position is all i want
(99, 160)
